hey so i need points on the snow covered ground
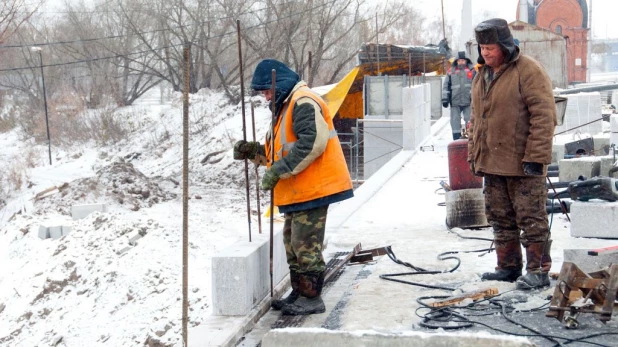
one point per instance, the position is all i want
(78, 289)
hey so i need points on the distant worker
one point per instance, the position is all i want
(511, 132)
(309, 173)
(456, 91)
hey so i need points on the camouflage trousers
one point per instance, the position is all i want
(303, 238)
(515, 209)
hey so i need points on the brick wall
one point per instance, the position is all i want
(569, 16)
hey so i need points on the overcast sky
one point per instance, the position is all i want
(603, 12)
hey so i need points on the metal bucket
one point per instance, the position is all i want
(465, 208)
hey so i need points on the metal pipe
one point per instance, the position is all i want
(244, 126)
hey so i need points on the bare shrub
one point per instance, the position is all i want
(105, 126)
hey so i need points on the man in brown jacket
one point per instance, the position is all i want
(512, 126)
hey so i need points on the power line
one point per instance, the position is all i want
(94, 39)
(164, 47)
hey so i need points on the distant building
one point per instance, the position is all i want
(568, 18)
(606, 52)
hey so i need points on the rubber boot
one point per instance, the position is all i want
(509, 262)
(278, 304)
(310, 301)
(538, 263)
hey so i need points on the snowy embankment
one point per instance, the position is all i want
(83, 289)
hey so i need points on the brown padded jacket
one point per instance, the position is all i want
(513, 118)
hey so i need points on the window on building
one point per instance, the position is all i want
(559, 29)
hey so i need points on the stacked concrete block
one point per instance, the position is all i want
(571, 169)
(589, 263)
(81, 211)
(241, 274)
(594, 218)
(582, 108)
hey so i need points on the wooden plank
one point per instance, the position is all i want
(475, 295)
(605, 250)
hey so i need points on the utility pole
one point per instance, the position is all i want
(38, 49)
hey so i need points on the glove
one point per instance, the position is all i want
(270, 179)
(445, 104)
(472, 168)
(533, 169)
(245, 150)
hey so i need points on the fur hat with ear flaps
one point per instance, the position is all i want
(495, 31)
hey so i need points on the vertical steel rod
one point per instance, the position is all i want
(244, 126)
(257, 174)
(273, 91)
(185, 192)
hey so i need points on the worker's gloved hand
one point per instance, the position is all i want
(245, 150)
(270, 179)
(445, 104)
(472, 167)
(533, 169)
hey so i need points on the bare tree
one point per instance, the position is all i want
(14, 13)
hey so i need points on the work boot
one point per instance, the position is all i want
(310, 288)
(277, 304)
(504, 275)
(533, 280)
(509, 262)
(456, 136)
(538, 263)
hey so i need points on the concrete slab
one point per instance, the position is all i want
(323, 337)
(571, 169)
(241, 274)
(594, 218)
(589, 263)
(81, 211)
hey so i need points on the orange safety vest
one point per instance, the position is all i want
(326, 175)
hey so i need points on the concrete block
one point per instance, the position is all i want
(607, 162)
(81, 211)
(613, 135)
(588, 263)
(55, 232)
(557, 152)
(571, 169)
(241, 274)
(581, 109)
(594, 218)
(66, 230)
(324, 337)
(133, 237)
(43, 232)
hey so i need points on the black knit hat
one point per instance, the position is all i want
(495, 31)
(461, 55)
